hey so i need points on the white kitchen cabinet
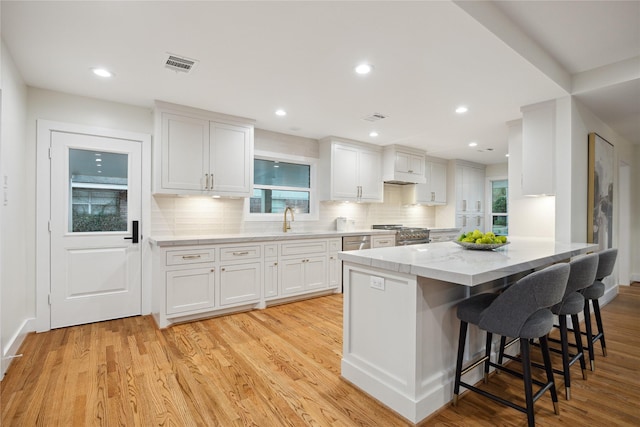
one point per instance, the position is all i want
(193, 282)
(469, 188)
(303, 266)
(270, 271)
(403, 164)
(240, 274)
(538, 148)
(350, 171)
(240, 282)
(335, 264)
(434, 191)
(469, 222)
(202, 153)
(300, 275)
(384, 241)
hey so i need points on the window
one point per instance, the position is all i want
(282, 183)
(499, 208)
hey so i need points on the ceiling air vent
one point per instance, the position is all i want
(374, 117)
(180, 63)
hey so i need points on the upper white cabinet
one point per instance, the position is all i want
(403, 164)
(434, 190)
(199, 152)
(469, 194)
(350, 171)
(538, 148)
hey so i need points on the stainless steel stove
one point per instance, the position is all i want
(406, 235)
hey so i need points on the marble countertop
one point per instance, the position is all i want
(214, 239)
(451, 263)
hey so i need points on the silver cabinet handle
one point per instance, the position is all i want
(212, 184)
(464, 205)
(410, 171)
(464, 221)
(478, 204)
(206, 181)
(191, 256)
(383, 242)
(433, 196)
(241, 253)
(478, 221)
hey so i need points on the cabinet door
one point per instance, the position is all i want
(438, 183)
(231, 159)
(370, 176)
(292, 275)
(185, 153)
(240, 283)
(190, 290)
(335, 271)
(270, 278)
(344, 170)
(315, 272)
(476, 190)
(409, 163)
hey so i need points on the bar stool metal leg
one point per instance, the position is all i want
(578, 336)
(587, 325)
(526, 373)
(596, 310)
(565, 356)
(546, 357)
(461, 344)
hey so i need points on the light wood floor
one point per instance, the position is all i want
(279, 366)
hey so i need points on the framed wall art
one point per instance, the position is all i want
(600, 196)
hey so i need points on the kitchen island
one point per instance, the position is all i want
(400, 326)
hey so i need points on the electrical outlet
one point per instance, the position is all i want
(377, 282)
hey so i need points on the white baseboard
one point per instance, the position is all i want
(635, 277)
(609, 295)
(13, 346)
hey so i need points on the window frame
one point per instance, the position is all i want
(489, 203)
(314, 204)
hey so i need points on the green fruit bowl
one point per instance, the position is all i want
(480, 246)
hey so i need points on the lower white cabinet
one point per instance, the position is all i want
(303, 274)
(190, 290)
(194, 282)
(240, 283)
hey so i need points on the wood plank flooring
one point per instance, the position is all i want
(275, 367)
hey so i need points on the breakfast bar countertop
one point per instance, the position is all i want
(452, 263)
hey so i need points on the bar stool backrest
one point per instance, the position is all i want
(607, 259)
(539, 290)
(583, 273)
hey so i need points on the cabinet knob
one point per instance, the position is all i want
(275, 263)
(222, 269)
(213, 270)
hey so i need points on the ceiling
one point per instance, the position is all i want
(429, 57)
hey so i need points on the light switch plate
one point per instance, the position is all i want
(377, 282)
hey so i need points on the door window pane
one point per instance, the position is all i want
(98, 186)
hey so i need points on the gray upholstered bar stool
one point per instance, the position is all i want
(582, 275)
(606, 262)
(521, 311)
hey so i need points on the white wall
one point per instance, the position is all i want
(16, 290)
(583, 122)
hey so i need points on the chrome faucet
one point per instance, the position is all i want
(286, 226)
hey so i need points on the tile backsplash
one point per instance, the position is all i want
(185, 216)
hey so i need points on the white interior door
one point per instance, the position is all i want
(95, 213)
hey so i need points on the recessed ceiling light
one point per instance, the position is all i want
(281, 113)
(373, 134)
(98, 160)
(462, 109)
(364, 69)
(473, 144)
(102, 72)
(506, 155)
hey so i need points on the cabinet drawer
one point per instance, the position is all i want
(238, 253)
(302, 248)
(383, 241)
(190, 256)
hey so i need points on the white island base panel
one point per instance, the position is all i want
(403, 351)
